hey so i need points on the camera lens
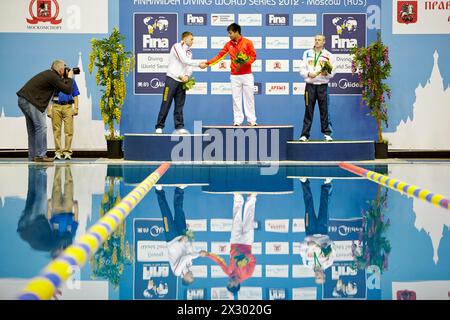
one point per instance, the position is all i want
(76, 70)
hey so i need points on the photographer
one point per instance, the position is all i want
(62, 110)
(34, 98)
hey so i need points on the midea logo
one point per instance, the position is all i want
(156, 231)
(344, 84)
(155, 83)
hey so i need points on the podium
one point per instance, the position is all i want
(235, 144)
(215, 143)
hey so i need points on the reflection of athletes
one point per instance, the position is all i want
(242, 262)
(317, 250)
(179, 246)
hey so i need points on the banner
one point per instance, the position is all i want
(154, 35)
(52, 16)
(343, 279)
(153, 277)
(420, 17)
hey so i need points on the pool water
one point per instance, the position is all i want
(370, 243)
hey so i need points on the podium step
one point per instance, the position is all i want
(330, 151)
(216, 143)
(163, 147)
(247, 143)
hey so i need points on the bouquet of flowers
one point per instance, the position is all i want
(241, 59)
(189, 234)
(241, 260)
(189, 84)
(326, 67)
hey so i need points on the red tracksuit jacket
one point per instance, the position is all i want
(232, 47)
(233, 271)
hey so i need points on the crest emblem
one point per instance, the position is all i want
(44, 11)
(407, 12)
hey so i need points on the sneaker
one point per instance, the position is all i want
(327, 137)
(68, 157)
(252, 124)
(181, 131)
(182, 187)
(303, 179)
(58, 157)
(158, 187)
(327, 180)
(158, 131)
(303, 139)
(43, 159)
(236, 124)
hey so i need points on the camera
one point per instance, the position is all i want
(75, 71)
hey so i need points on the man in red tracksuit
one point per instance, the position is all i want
(242, 80)
(242, 262)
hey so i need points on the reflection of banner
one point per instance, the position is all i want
(153, 278)
(342, 32)
(420, 17)
(154, 36)
(343, 279)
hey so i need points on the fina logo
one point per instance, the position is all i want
(155, 26)
(277, 19)
(195, 19)
(344, 26)
(156, 231)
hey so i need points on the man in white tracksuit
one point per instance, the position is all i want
(178, 72)
(316, 87)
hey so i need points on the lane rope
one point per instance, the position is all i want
(397, 185)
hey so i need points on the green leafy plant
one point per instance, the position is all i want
(375, 247)
(112, 64)
(373, 67)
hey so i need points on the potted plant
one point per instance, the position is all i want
(112, 63)
(373, 67)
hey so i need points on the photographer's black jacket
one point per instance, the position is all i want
(39, 89)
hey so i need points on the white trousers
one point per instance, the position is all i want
(243, 85)
(242, 230)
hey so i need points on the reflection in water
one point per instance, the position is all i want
(242, 262)
(317, 250)
(49, 225)
(312, 238)
(178, 237)
(374, 247)
(109, 261)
